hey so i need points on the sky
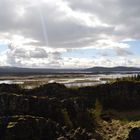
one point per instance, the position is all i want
(69, 33)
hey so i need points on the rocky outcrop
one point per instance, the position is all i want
(73, 109)
(41, 118)
(134, 134)
(51, 89)
(38, 128)
(11, 88)
(13, 104)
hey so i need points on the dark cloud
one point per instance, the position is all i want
(123, 15)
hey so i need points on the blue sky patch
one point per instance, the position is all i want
(3, 47)
(134, 47)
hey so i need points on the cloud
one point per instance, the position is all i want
(51, 23)
(33, 56)
(123, 52)
(69, 62)
(40, 31)
(122, 15)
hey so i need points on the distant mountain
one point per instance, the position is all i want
(113, 69)
(31, 71)
(18, 70)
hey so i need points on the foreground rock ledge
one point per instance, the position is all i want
(38, 128)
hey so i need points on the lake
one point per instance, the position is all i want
(69, 80)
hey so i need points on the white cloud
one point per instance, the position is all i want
(3, 59)
(102, 61)
(40, 31)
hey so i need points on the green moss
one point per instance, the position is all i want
(11, 125)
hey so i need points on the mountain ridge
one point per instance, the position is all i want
(22, 70)
(117, 68)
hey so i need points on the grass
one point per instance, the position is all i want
(119, 126)
(116, 129)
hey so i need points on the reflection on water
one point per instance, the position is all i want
(84, 84)
(10, 82)
(88, 80)
(68, 80)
